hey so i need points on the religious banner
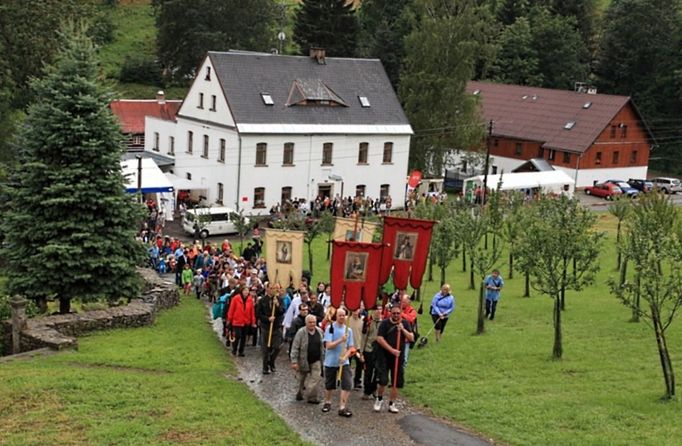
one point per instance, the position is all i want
(345, 227)
(406, 247)
(284, 256)
(355, 268)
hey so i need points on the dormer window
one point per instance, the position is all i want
(267, 99)
(313, 92)
(364, 101)
(208, 74)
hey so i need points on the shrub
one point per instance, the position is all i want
(140, 69)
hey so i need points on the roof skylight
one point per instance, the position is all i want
(364, 101)
(587, 105)
(267, 99)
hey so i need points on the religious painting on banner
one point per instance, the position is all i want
(345, 230)
(406, 247)
(284, 256)
(355, 268)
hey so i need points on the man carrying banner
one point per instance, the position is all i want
(392, 335)
(338, 343)
(270, 312)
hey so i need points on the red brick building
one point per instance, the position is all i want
(592, 137)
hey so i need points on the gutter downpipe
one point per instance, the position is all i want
(575, 179)
(239, 171)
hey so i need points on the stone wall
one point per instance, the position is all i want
(59, 332)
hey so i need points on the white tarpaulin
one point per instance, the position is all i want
(555, 181)
(180, 183)
(153, 180)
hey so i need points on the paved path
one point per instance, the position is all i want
(365, 427)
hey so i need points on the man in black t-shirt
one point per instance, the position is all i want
(392, 335)
(307, 351)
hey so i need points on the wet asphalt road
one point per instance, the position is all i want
(409, 427)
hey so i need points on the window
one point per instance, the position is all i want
(327, 152)
(597, 160)
(613, 131)
(213, 102)
(388, 152)
(362, 153)
(267, 99)
(171, 145)
(286, 194)
(383, 192)
(261, 154)
(221, 153)
(190, 141)
(259, 197)
(364, 102)
(208, 74)
(518, 149)
(156, 142)
(288, 158)
(633, 157)
(204, 153)
(201, 101)
(623, 130)
(137, 140)
(494, 170)
(360, 190)
(189, 176)
(552, 153)
(616, 157)
(219, 200)
(567, 158)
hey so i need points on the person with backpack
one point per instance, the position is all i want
(442, 305)
(493, 285)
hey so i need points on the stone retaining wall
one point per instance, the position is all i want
(59, 332)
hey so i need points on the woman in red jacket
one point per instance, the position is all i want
(241, 316)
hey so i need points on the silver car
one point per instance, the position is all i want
(667, 185)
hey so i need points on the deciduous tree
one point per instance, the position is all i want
(70, 226)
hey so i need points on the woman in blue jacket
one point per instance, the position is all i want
(442, 305)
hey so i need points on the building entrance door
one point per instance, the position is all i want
(324, 190)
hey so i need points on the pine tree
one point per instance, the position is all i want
(70, 226)
(328, 24)
(517, 61)
(510, 10)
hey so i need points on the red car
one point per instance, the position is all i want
(603, 190)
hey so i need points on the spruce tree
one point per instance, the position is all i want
(70, 225)
(328, 24)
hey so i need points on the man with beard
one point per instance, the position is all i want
(270, 312)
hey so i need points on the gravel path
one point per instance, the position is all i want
(409, 427)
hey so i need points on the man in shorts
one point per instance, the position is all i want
(338, 341)
(393, 333)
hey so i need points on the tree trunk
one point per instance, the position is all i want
(64, 305)
(442, 276)
(526, 292)
(558, 349)
(618, 246)
(623, 272)
(636, 307)
(472, 286)
(666, 364)
(511, 265)
(430, 266)
(464, 260)
(485, 241)
(310, 258)
(575, 268)
(563, 284)
(41, 302)
(480, 326)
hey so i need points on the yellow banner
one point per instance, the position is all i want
(284, 256)
(343, 231)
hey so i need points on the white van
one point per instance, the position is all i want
(212, 221)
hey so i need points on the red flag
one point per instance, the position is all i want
(354, 274)
(406, 247)
(415, 178)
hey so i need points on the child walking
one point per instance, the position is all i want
(187, 280)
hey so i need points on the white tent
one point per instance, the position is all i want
(553, 181)
(153, 182)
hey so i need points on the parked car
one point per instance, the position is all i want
(641, 185)
(603, 190)
(667, 185)
(628, 190)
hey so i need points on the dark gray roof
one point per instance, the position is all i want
(534, 165)
(244, 76)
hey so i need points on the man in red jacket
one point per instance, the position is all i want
(241, 316)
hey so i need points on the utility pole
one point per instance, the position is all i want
(139, 177)
(484, 192)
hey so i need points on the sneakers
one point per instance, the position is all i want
(392, 407)
(327, 407)
(377, 405)
(345, 412)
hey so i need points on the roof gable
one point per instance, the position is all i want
(560, 119)
(131, 112)
(293, 81)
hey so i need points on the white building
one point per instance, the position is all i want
(257, 129)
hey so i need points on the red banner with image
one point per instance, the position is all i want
(355, 268)
(406, 246)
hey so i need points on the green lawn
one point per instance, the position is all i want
(167, 384)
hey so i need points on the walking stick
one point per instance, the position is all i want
(272, 322)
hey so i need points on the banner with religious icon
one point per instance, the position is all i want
(284, 256)
(345, 228)
(406, 248)
(355, 268)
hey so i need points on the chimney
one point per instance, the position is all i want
(318, 54)
(161, 97)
